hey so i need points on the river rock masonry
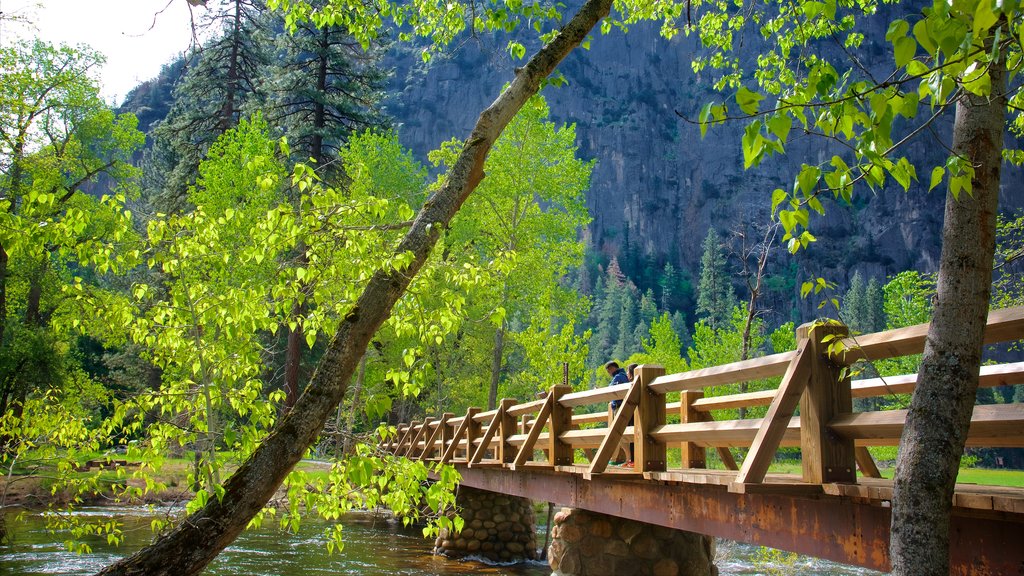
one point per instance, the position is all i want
(498, 527)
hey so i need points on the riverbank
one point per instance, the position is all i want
(104, 480)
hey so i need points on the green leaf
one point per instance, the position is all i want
(937, 173)
(517, 50)
(897, 29)
(984, 18)
(752, 144)
(808, 178)
(779, 125)
(976, 79)
(705, 114)
(904, 50)
(778, 197)
(923, 34)
(748, 101)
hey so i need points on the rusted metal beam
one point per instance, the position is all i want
(831, 527)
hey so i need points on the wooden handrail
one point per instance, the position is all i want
(1003, 325)
(595, 396)
(754, 369)
(831, 437)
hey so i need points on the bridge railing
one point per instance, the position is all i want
(832, 438)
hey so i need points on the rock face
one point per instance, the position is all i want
(590, 544)
(657, 185)
(499, 528)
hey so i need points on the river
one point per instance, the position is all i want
(373, 546)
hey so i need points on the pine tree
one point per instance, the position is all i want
(323, 87)
(874, 301)
(669, 285)
(626, 344)
(211, 97)
(715, 295)
(679, 327)
(854, 308)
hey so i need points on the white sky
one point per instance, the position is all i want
(136, 36)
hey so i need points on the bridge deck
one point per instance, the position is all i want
(846, 523)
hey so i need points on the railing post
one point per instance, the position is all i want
(472, 432)
(403, 446)
(559, 453)
(826, 456)
(446, 433)
(650, 413)
(692, 455)
(506, 452)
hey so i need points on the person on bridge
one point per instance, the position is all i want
(619, 376)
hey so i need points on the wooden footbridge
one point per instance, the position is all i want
(550, 449)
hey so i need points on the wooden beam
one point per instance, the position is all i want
(736, 433)
(595, 396)
(691, 455)
(435, 435)
(866, 463)
(506, 452)
(1003, 325)
(650, 454)
(449, 451)
(825, 457)
(407, 441)
(492, 430)
(775, 422)
(472, 433)
(412, 452)
(560, 420)
(989, 377)
(993, 425)
(753, 369)
(526, 450)
(615, 430)
(526, 408)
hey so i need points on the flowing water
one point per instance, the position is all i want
(373, 546)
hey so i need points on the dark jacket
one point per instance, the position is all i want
(619, 377)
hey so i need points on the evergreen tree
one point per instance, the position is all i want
(669, 285)
(854, 309)
(874, 301)
(679, 327)
(212, 95)
(626, 344)
(322, 87)
(715, 295)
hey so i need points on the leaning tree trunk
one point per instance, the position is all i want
(940, 410)
(199, 538)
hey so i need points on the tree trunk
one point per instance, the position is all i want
(499, 353)
(350, 421)
(33, 300)
(3, 294)
(940, 410)
(228, 108)
(319, 112)
(198, 539)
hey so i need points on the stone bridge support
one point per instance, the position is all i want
(591, 544)
(498, 527)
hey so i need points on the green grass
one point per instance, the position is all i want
(984, 476)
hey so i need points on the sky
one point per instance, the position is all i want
(136, 36)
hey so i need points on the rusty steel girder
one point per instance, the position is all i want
(832, 527)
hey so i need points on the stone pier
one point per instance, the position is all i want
(591, 544)
(498, 527)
